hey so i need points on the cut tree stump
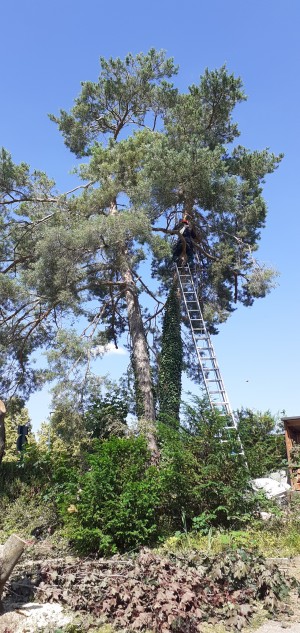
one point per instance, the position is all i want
(10, 553)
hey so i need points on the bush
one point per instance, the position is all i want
(205, 480)
(117, 500)
(110, 497)
(106, 416)
(113, 503)
(263, 440)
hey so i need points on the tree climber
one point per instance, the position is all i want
(183, 251)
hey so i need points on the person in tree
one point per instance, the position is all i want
(183, 251)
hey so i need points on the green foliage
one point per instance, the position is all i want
(263, 441)
(153, 153)
(26, 512)
(22, 485)
(18, 309)
(220, 187)
(170, 360)
(16, 415)
(276, 538)
(108, 497)
(294, 460)
(203, 474)
(113, 503)
(106, 416)
(115, 500)
(125, 90)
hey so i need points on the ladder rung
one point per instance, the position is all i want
(220, 404)
(205, 349)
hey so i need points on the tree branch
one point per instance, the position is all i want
(32, 198)
(146, 288)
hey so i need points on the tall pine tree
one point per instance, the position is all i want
(150, 154)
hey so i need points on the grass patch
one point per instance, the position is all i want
(278, 539)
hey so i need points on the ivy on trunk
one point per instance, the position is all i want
(171, 361)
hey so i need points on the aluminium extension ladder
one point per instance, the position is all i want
(210, 371)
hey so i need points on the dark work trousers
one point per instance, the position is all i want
(179, 249)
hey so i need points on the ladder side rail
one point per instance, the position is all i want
(224, 402)
(202, 327)
(211, 356)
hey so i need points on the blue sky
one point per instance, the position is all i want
(48, 48)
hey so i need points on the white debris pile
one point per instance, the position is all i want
(275, 485)
(33, 616)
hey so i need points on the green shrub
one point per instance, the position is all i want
(115, 500)
(263, 440)
(109, 497)
(106, 416)
(113, 503)
(204, 477)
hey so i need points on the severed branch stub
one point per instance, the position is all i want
(10, 553)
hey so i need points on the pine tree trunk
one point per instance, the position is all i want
(140, 354)
(2, 430)
(10, 553)
(140, 358)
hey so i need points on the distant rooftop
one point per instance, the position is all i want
(292, 417)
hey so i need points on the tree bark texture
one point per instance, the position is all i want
(10, 553)
(140, 356)
(2, 430)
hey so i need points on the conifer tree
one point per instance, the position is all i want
(150, 154)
